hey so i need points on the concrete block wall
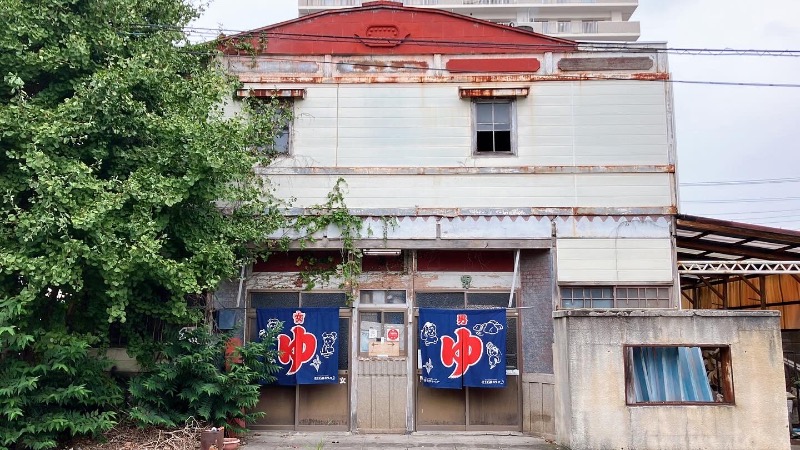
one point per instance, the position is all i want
(536, 283)
(590, 381)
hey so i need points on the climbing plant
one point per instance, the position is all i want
(317, 218)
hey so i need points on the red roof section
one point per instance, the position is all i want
(385, 27)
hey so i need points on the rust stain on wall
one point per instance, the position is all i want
(405, 78)
(370, 66)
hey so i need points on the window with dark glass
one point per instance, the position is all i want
(493, 126)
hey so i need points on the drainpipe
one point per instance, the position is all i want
(514, 279)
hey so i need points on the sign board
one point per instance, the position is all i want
(392, 335)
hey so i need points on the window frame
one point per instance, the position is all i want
(589, 26)
(724, 372)
(404, 338)
(286, 104)
(512, 102)
(616, 298)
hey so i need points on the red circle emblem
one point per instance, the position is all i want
(392, 334)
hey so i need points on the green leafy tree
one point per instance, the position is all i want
(124, 191)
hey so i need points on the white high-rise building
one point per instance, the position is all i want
(581, 20)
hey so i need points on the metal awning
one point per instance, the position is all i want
(713, 247)
(703, 238)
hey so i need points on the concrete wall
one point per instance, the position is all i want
(590, 381)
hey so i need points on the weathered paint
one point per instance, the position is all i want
(449, 78)
(269, 93)
(617, 227)
(362, 66)
(607, 63)
(590, 381)
(455, 65)
(493, 92)
(390, 29)
(465, 261)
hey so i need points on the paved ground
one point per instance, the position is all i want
(342, 441)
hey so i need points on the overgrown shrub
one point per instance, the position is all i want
(194, 378)
(54, 390)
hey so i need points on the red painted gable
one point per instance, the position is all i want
(389, 28)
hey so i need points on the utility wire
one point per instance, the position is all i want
(789, 216)
(561, 77)
(598, 46)
(756, 212)
(744, 200)
(741, 182)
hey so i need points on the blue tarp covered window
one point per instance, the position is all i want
(678, 374)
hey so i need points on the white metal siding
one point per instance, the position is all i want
(614, 260)
(482, 190)
(560, 123)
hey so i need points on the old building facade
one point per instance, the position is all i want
(492, 167)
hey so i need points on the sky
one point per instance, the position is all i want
(744, 135)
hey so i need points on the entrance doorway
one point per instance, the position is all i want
(313, 406)
(471, 409)
(382, 340)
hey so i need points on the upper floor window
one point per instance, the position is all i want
(546, 28)
(564, 26)
(589, 26)
(276, 125)
(494, 126)
(272, 114)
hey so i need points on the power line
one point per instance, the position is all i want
(756, 212)
(766, 217)
(598, 46)
(544, 77)
(780, 221)
(744, 200)
(741, 182)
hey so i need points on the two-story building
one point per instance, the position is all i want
(492, 167)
